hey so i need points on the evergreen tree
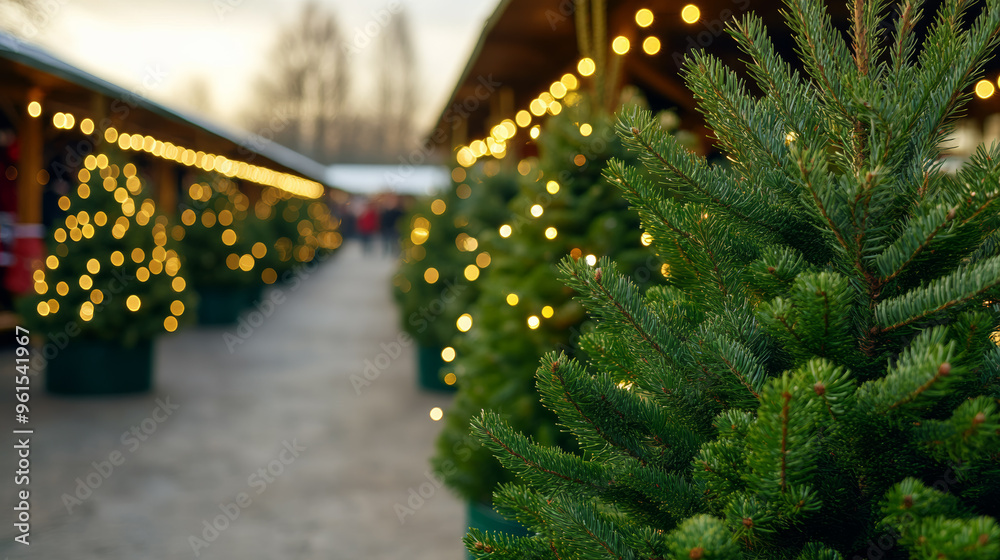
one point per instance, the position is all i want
(565, 207)
(112, 268)
(297, 230)
(441, 260)
(216, 236)
(817, 380)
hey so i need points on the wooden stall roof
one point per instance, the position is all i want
(24, 67)
(527, 44)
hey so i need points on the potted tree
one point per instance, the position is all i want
(112, 281)
(565, 207)
(443, 262)
(817, 380)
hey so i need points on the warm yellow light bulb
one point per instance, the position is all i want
(34, 109)
(651, 45)
(505, 231)
(523, 118)
(170, 324)
(512, 299)
(586, 66)
(620, 45)
(431, 275)
(984, 89)
(93, 266)
(548, 311)
(644, 17)
(471, 273)
(551, 232)
(690, 13)
(533, 322)
(537, 210)
(586, 129)
(448, 354)
(436, 413)
(464, 323)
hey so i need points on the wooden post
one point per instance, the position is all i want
(28, 248)
(166, 186)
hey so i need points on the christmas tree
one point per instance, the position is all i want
(441, 260)
(298, 231)
(111, 269)
(215, 236)
(817, 379)
(565, 207)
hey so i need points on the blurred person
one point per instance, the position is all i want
(368, 226)
(389, 222)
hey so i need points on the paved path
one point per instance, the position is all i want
(335, 462)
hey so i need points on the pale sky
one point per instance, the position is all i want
(224, 43)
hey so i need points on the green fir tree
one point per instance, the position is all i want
(112, 267)
(817, 379)
(565, 207)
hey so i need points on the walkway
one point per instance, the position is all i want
(274, 435)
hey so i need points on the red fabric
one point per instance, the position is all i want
(368, 222)
(26, 251)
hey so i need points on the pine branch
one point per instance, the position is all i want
(938, 295)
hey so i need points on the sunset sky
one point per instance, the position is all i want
(223, 43)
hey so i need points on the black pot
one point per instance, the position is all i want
(99, 367)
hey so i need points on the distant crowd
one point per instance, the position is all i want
(374, 221)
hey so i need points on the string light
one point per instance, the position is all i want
(586, 66)
(464, 323)
(644, 17)
(984, 89)
(512, 299)
(287, 182)
(548, 311)
(533, 322)
(552, 187)
(690, 13)
(620, 45)
(436, 413)
(651, 45)
(448, 354)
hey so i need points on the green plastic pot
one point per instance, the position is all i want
(481, 516)
(222, 306)
(99, 367)
(429, 364)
